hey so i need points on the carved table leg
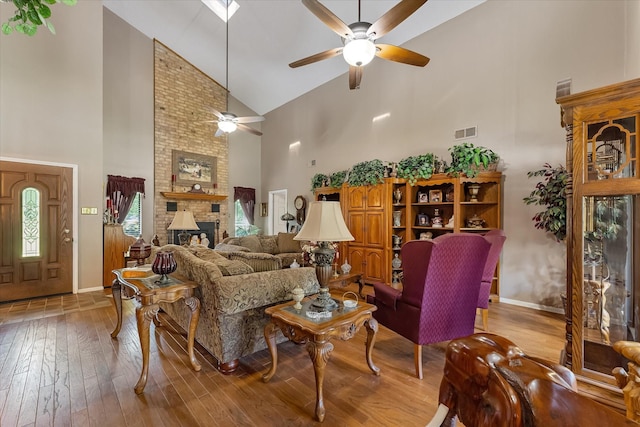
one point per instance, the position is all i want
(144, 314)
(194, 304)
(360, 286)
(270, 337)
(116, 293)
(372, 330)
(319, 353)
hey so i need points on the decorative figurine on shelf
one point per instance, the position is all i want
(155, 240)
(194, 240)
(397, 218)
(475, 222)
(436, 220)
(397, 262)
(397, 195)
(427, 235)
(474, 189)
(346, 268)
(297, 295)
(397, 241)
(203, 240)
(294, 264)
(450, 222)
(396, 277)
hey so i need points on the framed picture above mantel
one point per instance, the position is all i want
(192, 168)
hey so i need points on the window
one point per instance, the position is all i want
(30, 222)
(243, 228)
(132, 224)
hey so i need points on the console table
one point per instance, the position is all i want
(342, 280)
(142, 284)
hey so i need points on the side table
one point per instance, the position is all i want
(344, 323)
(142, 283)
(342, 280)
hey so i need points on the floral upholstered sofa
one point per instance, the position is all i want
(281, 246)
(233, 297)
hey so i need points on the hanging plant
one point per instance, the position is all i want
(337, 179)
(416, 167)
(30, 14)
(367, 173)
(319, 180)
(550, 193)
(468, 159)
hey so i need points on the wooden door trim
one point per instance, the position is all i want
(74, 214)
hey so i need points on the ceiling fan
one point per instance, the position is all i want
(229, 122)
(359, 39)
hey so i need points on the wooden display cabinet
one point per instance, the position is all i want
(603, 231)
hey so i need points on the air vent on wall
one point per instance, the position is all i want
(466, 133)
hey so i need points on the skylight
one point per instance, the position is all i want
(219, 7)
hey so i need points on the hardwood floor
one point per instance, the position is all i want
(59, 366)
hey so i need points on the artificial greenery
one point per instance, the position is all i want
(337, 179)
(416, 167)
(550, 193)
(367, 173)
(319, 180)
(467, 159)
(30, 14)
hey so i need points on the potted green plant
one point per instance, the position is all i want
(413, 168)
(30, 14)
(550, 193)
(468, 159)
(367, 173)
(319, 180)
(337, 179)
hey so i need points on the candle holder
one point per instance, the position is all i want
(164, 264)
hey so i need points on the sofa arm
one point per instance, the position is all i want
(255, 290)
(386, 295)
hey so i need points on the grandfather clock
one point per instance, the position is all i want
(603, 230)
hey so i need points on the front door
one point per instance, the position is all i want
(36, 257)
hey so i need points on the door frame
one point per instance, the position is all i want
(272, 218)
(74, 215)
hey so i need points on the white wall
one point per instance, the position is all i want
(496, 66)
(128, 148)
(51, 109)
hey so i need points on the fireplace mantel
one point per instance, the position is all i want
(192, 196)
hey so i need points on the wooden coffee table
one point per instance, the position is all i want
(342, 280)
(141, 284)
(317, 333)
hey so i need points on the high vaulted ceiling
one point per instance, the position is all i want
(266, 35)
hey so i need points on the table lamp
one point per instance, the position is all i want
(183, 221)
(324, 224)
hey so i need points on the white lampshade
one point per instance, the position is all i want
(183, 221)
(227, 126)
(359, 52)
(324, 223)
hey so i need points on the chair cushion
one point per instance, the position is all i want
(252, 242)
(287, 244)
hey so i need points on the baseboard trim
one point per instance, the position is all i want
(532, 305)
(94, 289)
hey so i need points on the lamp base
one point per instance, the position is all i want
(323, 302)
(184, 238)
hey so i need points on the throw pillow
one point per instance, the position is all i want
(233, 267)
(287, 244)
(269, 244)
(224, 247)
(252, 242)
(205, 254)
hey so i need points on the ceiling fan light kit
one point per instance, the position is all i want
(227, 126)
(359, 52)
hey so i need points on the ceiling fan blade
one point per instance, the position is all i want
(400, 54)
(218, 133)
(250, 119)
(328, 18)
(317, 57)
(355, 76)
(393, 17)
(249, 129)
(217, 113)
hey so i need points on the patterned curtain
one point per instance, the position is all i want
(120, 193)
(247, 197)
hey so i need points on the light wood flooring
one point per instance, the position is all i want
(59, 366)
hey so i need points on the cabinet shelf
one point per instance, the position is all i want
(193, 196)
(478, 203)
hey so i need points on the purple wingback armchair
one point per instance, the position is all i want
(441, 283)
(496, 238)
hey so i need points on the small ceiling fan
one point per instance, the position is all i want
(359, 39)
(229, 122)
